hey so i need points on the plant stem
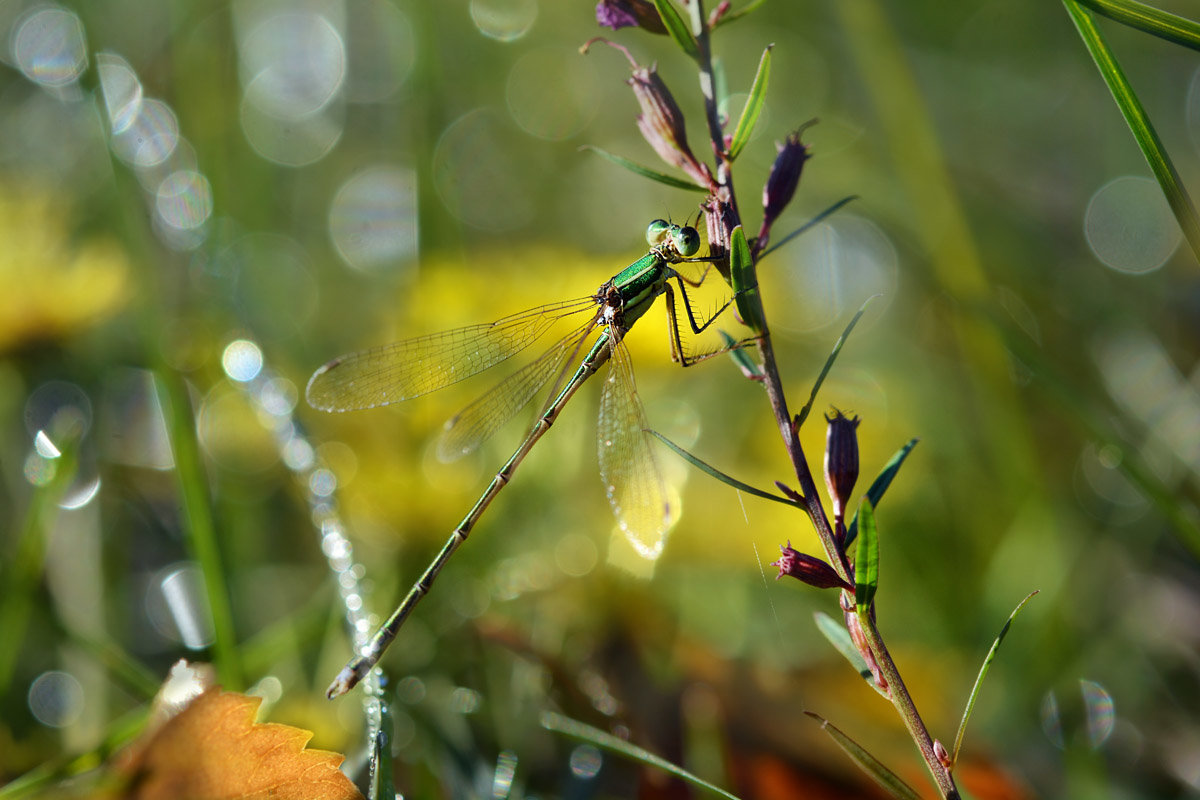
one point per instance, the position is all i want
(724, 204)
(791, 441)
(902, 700)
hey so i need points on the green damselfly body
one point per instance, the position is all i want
(628, 469)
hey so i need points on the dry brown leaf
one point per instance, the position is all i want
(214, 750)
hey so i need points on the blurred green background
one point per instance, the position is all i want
(318, 177)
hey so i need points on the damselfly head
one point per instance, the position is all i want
(683, 239)
(657, 232)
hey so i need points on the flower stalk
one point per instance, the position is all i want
(735, 257)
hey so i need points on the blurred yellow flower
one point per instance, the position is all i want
(53, 283)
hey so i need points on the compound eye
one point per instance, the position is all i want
(656, 232)
(686, 241)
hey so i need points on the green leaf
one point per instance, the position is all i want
(839, 637)
(716, 473)
(1149, 20)
(754, 106)
(889, 780)
(745, 282)
(741, 357)
(837, 348)
(866, 559)
(732, 15)
(558, 723)
(818, 219)
(983, 670)
(677, 27)
(645, 172)
(1139, 123)
(881, 484)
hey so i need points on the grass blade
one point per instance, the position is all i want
(1139, 124)
(578, 730)
(716, 473)
(1149, 20)
(754, 106)
(889, 780)
(645, 172)
(880, 485)
(199, 529)
(983, 670)
(837, 348)
(866, 559)
(22, 568)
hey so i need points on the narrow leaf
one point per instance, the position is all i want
(818, 219)
(837, 348)
(578, 730)
(716, 473)
(645, 172)
(1149, 20)
(677, 27)
(754, 105)
(1139, 124)
(881, 484)
(839, 637)
(983, 670)
(866, 559)
(741, 357)
(745, 282)
(871, 765)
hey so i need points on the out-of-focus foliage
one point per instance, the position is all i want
(322, 176)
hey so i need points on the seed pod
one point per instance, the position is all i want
(662, 124)
(841, 460)
(784, 177)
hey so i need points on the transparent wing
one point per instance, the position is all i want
(413, 367)
(628, 467)
(467, 429)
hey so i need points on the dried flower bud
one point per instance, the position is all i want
(661, 122)
(784, 178)
(809, 569)
(841, 460)
(618, 14)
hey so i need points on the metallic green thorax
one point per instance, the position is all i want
(633, 290)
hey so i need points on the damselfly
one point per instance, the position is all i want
(413, 367)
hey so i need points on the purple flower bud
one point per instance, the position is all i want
(784, 178)
(809, 569)
(662, 123)
(841, 461)
(618, 14)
